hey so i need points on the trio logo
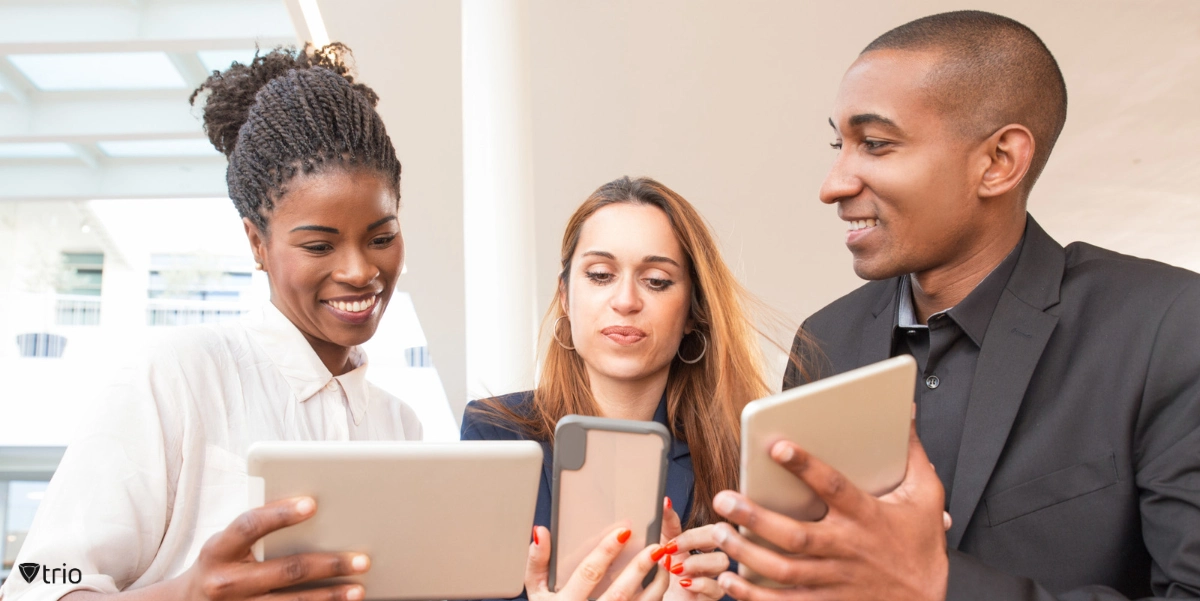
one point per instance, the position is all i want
(29, 571)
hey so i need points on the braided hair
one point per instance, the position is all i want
(290, 112)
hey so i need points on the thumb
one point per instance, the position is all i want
(920, 478)
(671, 526)
(537, 567)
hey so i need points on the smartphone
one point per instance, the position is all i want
(856, 422)
(608, 474)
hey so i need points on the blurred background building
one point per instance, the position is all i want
(506, 114)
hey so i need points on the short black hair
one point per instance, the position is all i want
(993, 71)
(290, 112)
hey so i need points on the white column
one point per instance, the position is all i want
(498, 214)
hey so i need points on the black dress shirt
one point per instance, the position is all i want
(946, 351)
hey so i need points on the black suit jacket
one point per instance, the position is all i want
(1079, 471)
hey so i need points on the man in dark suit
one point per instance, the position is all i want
(1059, 390)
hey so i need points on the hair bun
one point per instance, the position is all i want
(232, 92)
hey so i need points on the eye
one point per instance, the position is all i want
(873, 145)
(318, 248)
(599, 277)
(836, 145)
(383, 240)
(658, 284)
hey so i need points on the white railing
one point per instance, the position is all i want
(174, 312)
(76, 310)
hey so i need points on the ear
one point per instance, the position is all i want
(1008, 155)
(258, 242)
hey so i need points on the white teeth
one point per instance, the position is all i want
(863, 224)
(354, 307)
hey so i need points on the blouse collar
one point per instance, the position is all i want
(303, 370)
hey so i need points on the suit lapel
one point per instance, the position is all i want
(876, 344)
(1012, 347)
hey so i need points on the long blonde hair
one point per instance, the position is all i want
(705, 399)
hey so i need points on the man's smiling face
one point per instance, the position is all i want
(903, 178)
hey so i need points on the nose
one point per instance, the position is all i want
(626, 297)
(841, 183)
(355, 269)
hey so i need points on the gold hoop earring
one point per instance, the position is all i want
(703, 350)
(554, 333)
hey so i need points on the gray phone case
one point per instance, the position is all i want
(570, 455)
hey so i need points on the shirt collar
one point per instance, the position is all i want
(303, 370)
(974, 313)
(679, 448)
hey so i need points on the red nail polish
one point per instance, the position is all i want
(535, 536)
(678, 569)
(686, 582)
(623, 536)
(668, 502)
(658, 554)
(672, 548)
(667, 564)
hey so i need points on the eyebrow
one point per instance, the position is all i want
(334, 230)
(872, 118)
(646, 259)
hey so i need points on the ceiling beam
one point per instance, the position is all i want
(87, 152)
(133, 179)
(14, 82)
(190, 67)
(83, 21)
(190, 45)
(85, 117)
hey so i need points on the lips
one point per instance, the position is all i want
(623, 335)
(352, 309)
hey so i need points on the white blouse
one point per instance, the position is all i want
(159, 466)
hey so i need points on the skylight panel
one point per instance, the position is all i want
(35, 150)
(190, 147)
(99, 71)
(219, 60)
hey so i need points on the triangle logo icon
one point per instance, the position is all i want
(29, 571)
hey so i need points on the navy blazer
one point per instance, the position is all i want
(477, 425)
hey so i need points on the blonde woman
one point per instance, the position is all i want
(647, 323)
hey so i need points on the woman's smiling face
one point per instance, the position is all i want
(628, 293)
(333, 251)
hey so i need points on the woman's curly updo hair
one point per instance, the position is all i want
(290, 112)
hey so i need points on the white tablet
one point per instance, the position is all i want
(857, 422)
(438, 520)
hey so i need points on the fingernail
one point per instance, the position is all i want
(305, 506)
(783, 452)
(672, 547)
(724, 503)
(720, 534)
(668, 502)
(360, 563)
(678, 569)
(667, 563)
(658, 554)
(623, 536)
(535, 537)
(686, 582)
(725, 581)
(355, 594)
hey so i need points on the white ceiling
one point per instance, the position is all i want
(93, 93)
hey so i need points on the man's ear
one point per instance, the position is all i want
(258, 243)
(1008, 153)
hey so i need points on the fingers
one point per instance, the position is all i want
(777, 567)
(593, 567)
(234, 542)
(792, 536)
(737, 587)
(656, 589)
(708, 565)
(834, 488)
(705, 588)
(292, 570)
(629, 581)
(537, 567)
(671, 526)
(947, 522)
(696, 539)
(351, 592)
